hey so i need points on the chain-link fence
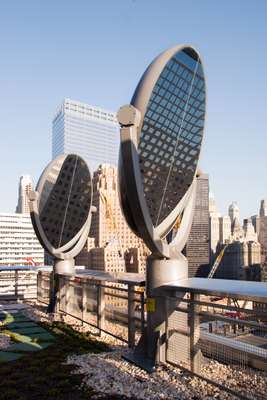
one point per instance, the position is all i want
(18, 283)
(113, 307)
(221, 340)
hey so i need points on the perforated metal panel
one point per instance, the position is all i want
(171, 133)
(65, 201)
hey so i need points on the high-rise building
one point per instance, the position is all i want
(255, 219)
(237, 230)
(214, 226)
(241, 260)
(260, 224)
(263, 208)
(225, 229)
(250, 235)
(254, 254)
(263, 242)
(197, 249)
(90, 132)
(25, 187)
(232, 263)
(18, 242)
(113, 240)
(233, 212)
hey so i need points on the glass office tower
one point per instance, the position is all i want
(88, 131)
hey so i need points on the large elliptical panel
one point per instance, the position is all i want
(171, 133)
(65, 200)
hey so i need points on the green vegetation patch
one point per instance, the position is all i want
(25, 347)
(42, 375)
(28, 330)
(6, 318)
(6, 356)
(19, 325)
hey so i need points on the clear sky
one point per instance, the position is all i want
(96, 51)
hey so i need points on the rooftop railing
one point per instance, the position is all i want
(212, 334)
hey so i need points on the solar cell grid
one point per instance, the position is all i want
(66, 209)
(171, 134)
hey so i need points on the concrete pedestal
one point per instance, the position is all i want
(64, 266)
(152, 346)
(158, 274)
(60, 267)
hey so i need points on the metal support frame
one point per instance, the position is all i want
(194, 334)
(100, 308)
(131, 316)
(84, 302)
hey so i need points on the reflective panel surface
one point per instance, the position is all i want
(171, 133)
(65, 199)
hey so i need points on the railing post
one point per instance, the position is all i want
(142, 312)
(59, 294)
(194, 334)
(16, 291)
(67, 294)
(84, 301)
(100, 308)
(131, 316)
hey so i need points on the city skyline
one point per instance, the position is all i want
(36, 76)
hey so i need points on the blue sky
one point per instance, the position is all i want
(96, 51)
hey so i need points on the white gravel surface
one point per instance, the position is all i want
(108, 374)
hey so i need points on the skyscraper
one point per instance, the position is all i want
(214, 226)
(234, 212)
(225, 229)
(263, 242)
(25, 187)
(197, 248)
(115, 247)
(85, 130)
(250, 235)
(260, 225)
(263, 208)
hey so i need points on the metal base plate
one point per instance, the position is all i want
(140, 361)
(140, 356)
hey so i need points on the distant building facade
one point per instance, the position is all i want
(234, 212)
(214, 218)
(260, 224)
(18, 242)
(263, 242)
(241, 259)
(25, 187)
(88, 131)
(225, 229)
(197, 249)
(115, 248)
(263, 208)
(250, 234)
(231, 265)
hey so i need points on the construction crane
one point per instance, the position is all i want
(217, 262)
(213, 271)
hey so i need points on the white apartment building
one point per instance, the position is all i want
(18, 242)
